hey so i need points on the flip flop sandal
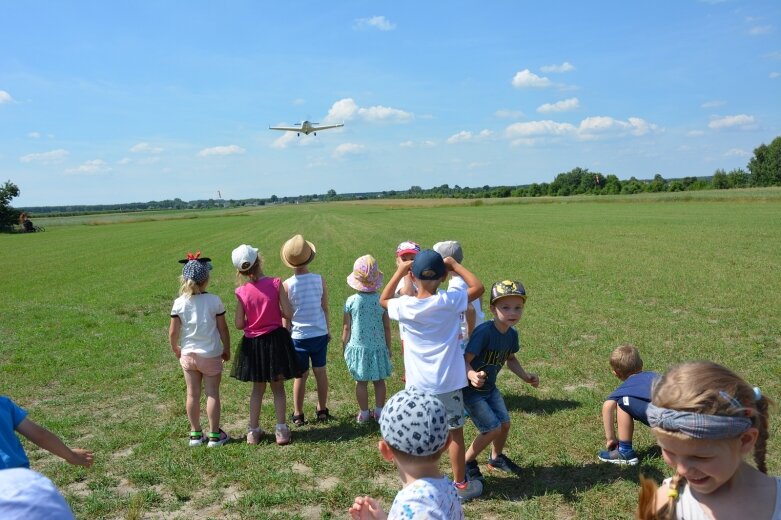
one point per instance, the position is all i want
(298, 420)
(323, 415)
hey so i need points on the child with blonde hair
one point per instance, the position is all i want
(707, 419)
(199, 338)
(366, 337)
(266, 355)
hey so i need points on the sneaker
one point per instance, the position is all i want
(468, 490)
(628, 458)
(254, 435)
(503, 463)
(377, 413)
(363, 416)
(218, 439)
(196, 439)
(282, 434)
(473, 471)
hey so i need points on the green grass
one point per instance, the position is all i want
(83, 343)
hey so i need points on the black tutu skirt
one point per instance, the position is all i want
(265, 358)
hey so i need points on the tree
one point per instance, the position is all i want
(8, 215)
(765, 166)
(331, 194)
(720, 181)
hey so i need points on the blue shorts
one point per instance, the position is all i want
(315, 348)
(636, 408)
(486, 409)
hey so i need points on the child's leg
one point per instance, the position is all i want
(211, 387)
(500, 440)
(379, 393)
(480, 442)
(280, 400)
(193, 404)
(321, 376)
(626, 427)
(362, 394)
(457, 453)
(255, 400)
(299, 389)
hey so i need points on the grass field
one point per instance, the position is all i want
(83, 344)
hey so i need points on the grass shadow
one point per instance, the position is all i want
(566, 480)
(533, 405)
(335, 430)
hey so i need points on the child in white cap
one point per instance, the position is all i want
(266, 355)
(414, 435)
(200, 339)
(366, 337)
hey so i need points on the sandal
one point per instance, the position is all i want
(196, 438)
(298, 420)
(323, 415)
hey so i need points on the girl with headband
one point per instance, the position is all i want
(707, 419)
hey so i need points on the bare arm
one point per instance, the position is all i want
(471, 318)
(474, 286)
(407, 287)
(53, 444)
(608, 414)
(515, 367)
(389, 290)
(240, 318)
(225, 337)
(346, 329)
(386, 326)
(285, 307)
(173, 335)
(324, 305)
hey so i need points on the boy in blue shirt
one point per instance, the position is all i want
(491, 345)
(628, 403)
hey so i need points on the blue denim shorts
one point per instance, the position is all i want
(315, 348)
(486, 409)
(636, 408)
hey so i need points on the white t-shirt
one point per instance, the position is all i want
(25, 494)
(427, 499)
(198, 314)
(305, 292)
(433, 360)
(456, 282)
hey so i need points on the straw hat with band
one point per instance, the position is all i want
(297, 252)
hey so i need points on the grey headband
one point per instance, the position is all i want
(697, 425)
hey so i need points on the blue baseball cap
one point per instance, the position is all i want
(428, 265)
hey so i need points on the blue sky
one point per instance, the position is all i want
(110, 102)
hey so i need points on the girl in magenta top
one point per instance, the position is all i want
(266, 353)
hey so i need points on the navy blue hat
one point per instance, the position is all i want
(428, 265)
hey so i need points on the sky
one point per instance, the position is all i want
(133, 101)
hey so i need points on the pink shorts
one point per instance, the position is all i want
(208, 366)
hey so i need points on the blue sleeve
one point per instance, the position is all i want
(15, 412)
(478, 341)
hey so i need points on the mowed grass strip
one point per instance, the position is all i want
(83, 346)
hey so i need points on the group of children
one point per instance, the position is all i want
(705, 417)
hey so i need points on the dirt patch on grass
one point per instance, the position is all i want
(328, 483)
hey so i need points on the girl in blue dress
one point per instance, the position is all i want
(366, 337)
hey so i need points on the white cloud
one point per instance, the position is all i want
(124, 160)
(53, 156)
(740, 121)
(505, 113)
(760, 30)
(347, 109)
(560, 106)
(527, 78)
(465, 135)
(145, 148)
(564, 67)
(285, 139)
(407, 144)
(34, 135)
(695, 133)
(591, 126)
(713, 103)
(221, 150)
(737, 152)
(539, 128)
(529, 133)
(374, 22)
(347, 148)
(775, 55)
(5, 97)
(299, 101)
(90, 167)
(775, 75)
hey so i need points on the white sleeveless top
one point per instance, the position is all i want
(306, 296)
(688, 508)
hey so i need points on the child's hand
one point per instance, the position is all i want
(532, 379)
(177, 351)
(450, 262)
(81, 457)
(403, 266)
(226, 354)
(366, 508)
(477, 378)
(611, 444)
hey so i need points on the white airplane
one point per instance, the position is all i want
(305, 128)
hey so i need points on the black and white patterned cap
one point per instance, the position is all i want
(196, 270)
(414, 423)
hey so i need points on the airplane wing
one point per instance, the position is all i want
(286, 128)
(326, 127)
